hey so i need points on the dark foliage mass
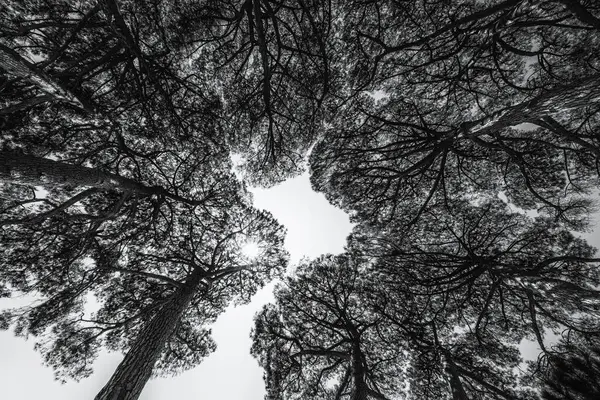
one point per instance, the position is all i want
(575, 376)
(461, 136)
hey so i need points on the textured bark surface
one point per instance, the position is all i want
(27, 169)
(562, 99)
(360, 390)
(458, 391)
(135, 370)
(360, 386)
(16, 65)
(25, 104)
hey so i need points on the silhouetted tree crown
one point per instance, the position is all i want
(460, 136)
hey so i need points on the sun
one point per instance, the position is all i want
(250, 250)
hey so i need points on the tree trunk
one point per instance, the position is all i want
(115, 18)
(566, 98)
(360, 390)
(458, 391)
(25, 104)
(130, 377)
(456, 386)
(16, 65)
(482, 382)
(32, 170)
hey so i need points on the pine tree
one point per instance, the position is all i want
(574, 376)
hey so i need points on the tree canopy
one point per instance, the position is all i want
(461, 137)
(440, 95)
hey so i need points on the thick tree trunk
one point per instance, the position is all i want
(483, 383)
(16, 65)
(360, 390)
(456, 386)
(136, 368)
(566, 98)
(25, 104)
(581, 13)
(27, 169)
(458, 391)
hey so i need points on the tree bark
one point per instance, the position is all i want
(116, 20)
(27, 169)
(14, 64)
(25, 104)
(360, 390)
(135, 370)
(360, 386)
(458, 391)
(581, 13)
(560, 99)
(482, 382)
(456, 386)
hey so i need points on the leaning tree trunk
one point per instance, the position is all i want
(136, 368)
(32, 170)
(575, 95)
(456, 386)
(14, 64)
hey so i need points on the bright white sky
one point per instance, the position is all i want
(314, 227)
